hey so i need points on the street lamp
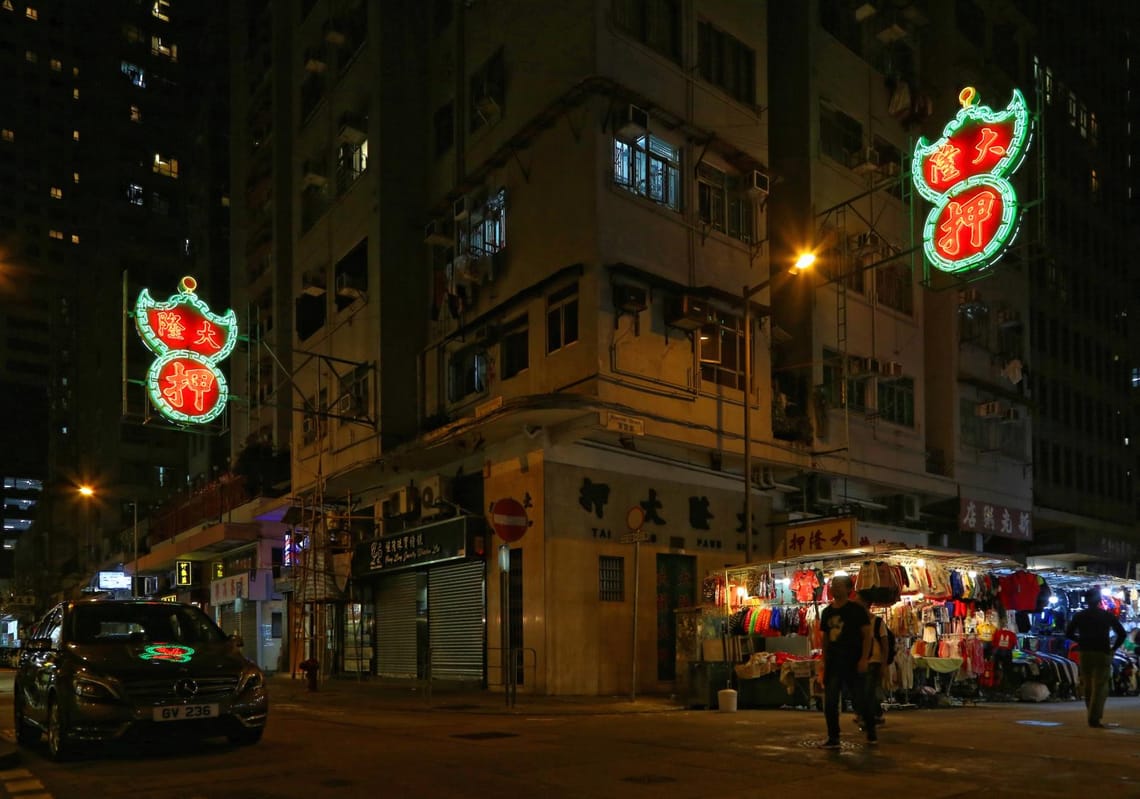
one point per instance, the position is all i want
(803, 262)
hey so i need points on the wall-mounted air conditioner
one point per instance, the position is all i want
(864, 160)
(758, 183)
(989, 410)
(400, 502)
(436, 234)
(313, 282)
(348, 286)
(890, 369)
(315, 60)
(461, 208)
(432, 491)
(1011, 415)
(634, 123)
(353, 128)
(632, 299)
(686, 312)
(313, 174)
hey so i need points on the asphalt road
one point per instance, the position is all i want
(334, 748)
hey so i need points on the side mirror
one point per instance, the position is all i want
(39, 645)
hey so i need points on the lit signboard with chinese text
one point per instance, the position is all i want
(184, 382)
(183, 574)
(965, 174)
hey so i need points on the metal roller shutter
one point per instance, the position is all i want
(396, 626)
(456, 610)
(229, 622)
(247, 624)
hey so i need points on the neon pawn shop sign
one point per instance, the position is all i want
(184, 381)
(965, 174)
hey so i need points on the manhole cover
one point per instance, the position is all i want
(485, 736)
(648, 779)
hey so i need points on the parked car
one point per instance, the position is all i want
(103, 670)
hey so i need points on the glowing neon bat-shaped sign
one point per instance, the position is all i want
(184, 382)
(964, 173)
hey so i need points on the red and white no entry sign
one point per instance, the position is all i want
(508, 518)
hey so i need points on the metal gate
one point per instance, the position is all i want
(396, 626)
(244, 624)
(456, 628)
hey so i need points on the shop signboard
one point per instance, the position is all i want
(109, 581)
(420, 546)
(184, 382)
(966, 175)
(989, 518)
(819, 537)
(183, 573)
(237, 586)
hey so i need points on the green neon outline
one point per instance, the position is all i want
(144, 303)
(1006, 232)
(163, 405)
(150, 654)
(1006, 165)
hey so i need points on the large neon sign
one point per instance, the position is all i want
(184, 382)
(965, 174)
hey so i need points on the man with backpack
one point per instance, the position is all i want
(882, 656)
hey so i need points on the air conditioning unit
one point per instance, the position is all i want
(891, 32)
(313, 282)
(461, 209)
(891, 169)
(1011, 416)
(764, 476)
(874, 366)
(632, 299)
(865, 11)
(864, 161)
(353, 128)
(856, 365)
(348, 286)
(758, 183)
(435, 234)
(823, 490)
(906, 507)
(634, 123)
(865, 242)
(400, 502)
(688, 313)
(349, 404)
(989, 410)
(432, 490)
(891, 369)
(334, 32)
(313, 174)
(315, 60)
(487, 107)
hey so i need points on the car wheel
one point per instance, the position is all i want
(59, 744)
(26, 734)
(247, 736)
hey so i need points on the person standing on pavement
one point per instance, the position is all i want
(1090, 629)
(847, 639)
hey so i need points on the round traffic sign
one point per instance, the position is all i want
(508, 518)
(634, 518)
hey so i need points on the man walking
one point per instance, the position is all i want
(1090, 628)
(847, 640)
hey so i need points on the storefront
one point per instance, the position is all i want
(245, 607)
(967, 626)
(422, 608)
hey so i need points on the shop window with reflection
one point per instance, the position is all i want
(722, 351)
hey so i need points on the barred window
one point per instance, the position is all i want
(611, 578)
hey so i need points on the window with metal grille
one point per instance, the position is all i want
(611, 578)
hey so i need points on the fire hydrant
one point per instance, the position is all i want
(310, 668)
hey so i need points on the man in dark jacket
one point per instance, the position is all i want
(1090, 628)
(847, 640)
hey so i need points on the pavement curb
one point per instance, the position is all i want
(9, 757)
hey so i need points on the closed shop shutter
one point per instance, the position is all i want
(229, 622)
(396, 626)
(247, 625)
(456, 609)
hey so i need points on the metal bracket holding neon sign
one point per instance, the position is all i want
(965, 174)
(184, 382)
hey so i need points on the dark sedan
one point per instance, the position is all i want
(99, 670)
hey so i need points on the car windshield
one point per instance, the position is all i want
(112, 622)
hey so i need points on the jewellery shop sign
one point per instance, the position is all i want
(419, 546)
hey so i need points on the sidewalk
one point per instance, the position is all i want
(373, 694)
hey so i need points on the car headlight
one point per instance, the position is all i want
(88, 687)
(250, 680)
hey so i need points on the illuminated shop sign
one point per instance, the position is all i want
(184, 382)
(965, 175)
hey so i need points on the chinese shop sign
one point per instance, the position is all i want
(453, 539)
(184, 382)
(831, 535)
(975, 516)
(965, 175)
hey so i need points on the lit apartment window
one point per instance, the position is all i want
(30, 56)
(31, 13)
(352, 160)
(75, 135)
(7, 5)
(56, 65)
(161, 10)
(74, 177)
(651, 167)
(7, 134)
(56, 234)
(134, 73)
(164, 49)
(165, 166)
(75, 72)
(136, 114)
(75, 93)
(135, 194)
(56, 193)
(722, 350)
(74, 238)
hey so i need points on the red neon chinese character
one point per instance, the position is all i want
(197, 380)
(207, 336)
(987, 146)
(170, 325)
(970, 215)
(942, 163)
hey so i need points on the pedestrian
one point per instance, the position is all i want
(847, 640)
(877, 669)
(1090, 629)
